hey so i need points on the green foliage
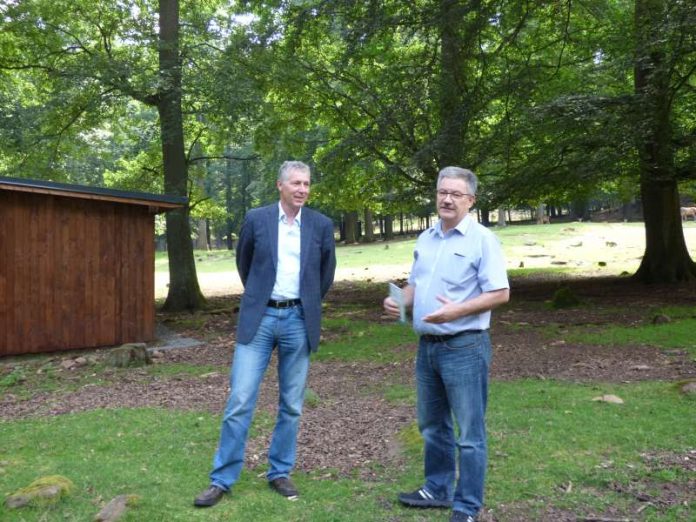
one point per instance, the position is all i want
(564, 297)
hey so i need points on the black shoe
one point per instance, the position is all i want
(423, 499)
(285, 487)
(209, 497)
(460, 516)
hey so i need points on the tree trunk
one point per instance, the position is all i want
(452, 81)
(666, 258)
(229, 224)
(485, 217)
(540, 213)
(369, 230)
(501, 217)
(388, 227)
(184, 292)
(580, 210)
(202, 234)
(350, 227)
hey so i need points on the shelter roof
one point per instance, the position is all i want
(156, 202)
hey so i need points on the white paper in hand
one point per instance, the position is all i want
(398, 296)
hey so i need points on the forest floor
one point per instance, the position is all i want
(352, 427)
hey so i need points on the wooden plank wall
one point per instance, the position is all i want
(74, 273)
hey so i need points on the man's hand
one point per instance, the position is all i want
(391, 308)
(449, 311)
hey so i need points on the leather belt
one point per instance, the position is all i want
(444, 338)
(284, 304)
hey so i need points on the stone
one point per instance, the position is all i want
(116, 508)
(44, 490)
(129, 355)
(613, 399)
(661, 319)
(67, 364)
(689, 388)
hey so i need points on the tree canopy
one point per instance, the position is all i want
(546, 101)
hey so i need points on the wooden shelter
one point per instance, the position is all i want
(76, 265)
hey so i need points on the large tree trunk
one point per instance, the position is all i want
(666, 258)
(184, 292)
(202, 234)
(452, 81)
(501, 217)
(389, 227)
(350, 227)
(369, 230)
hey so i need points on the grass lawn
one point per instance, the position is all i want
(549, 443)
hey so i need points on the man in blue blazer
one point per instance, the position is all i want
(286, 260)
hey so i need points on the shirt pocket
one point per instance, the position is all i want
(460, 270)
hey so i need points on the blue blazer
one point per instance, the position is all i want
(257, 260)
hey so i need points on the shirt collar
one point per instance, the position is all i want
(461, 227)
(284, 218)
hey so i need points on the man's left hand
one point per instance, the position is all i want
(449, 311)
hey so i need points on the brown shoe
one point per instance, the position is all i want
(209, 497)
(286, 488)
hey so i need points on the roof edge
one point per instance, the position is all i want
(82, 191)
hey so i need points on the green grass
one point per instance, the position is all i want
(33, 375)
(678, 334)
(359, 340)
(556, 272)
(544, 435)
(24, 381)
(399, 252)
(212, 261)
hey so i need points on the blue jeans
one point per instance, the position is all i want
(285, 329)
(452, 383)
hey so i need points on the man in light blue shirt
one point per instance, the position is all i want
(458, 276)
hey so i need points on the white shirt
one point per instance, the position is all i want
(287, 283)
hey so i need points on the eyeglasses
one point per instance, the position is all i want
(456, 196)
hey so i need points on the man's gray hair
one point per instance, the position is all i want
(460, 173)
(288, 166)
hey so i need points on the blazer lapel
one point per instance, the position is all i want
(306, 231)
(272, 217)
